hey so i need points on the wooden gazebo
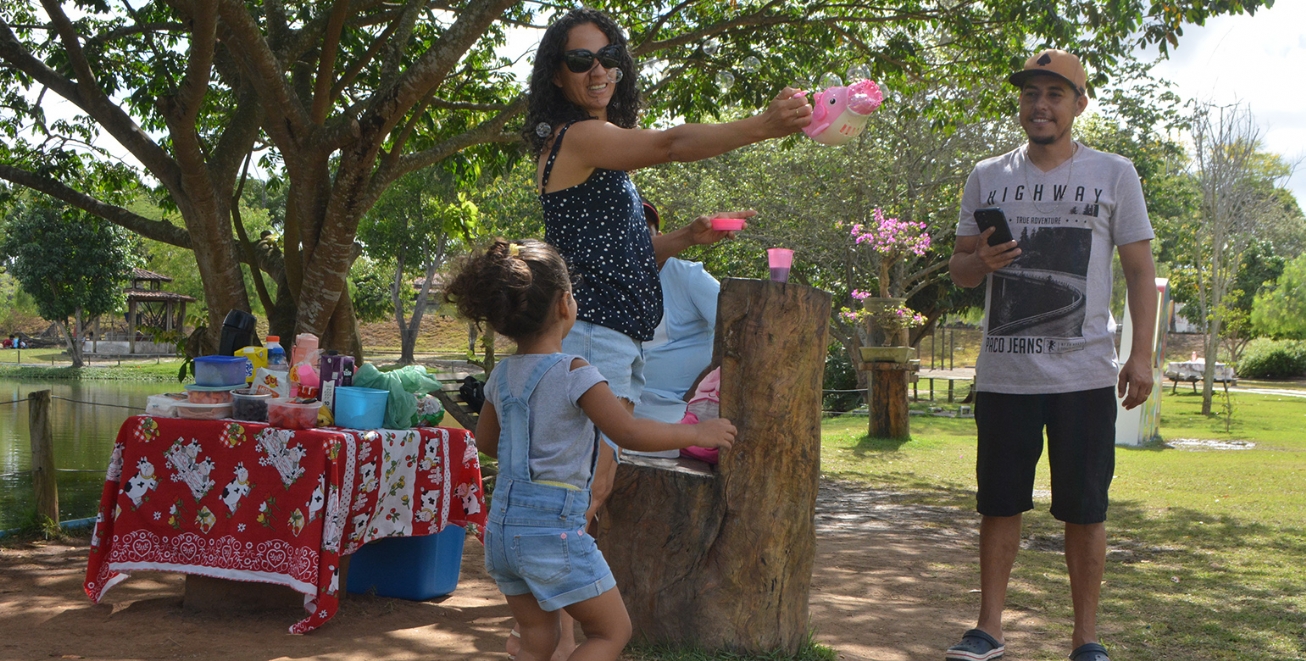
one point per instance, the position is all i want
(151, 307)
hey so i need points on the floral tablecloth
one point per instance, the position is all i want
(245, 501)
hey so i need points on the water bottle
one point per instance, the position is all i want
(276, 355)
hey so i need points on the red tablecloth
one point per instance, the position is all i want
(246, 501)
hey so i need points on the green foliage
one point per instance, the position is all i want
(369, 289)
(1273, 359)
(840, 375)
(1280, 309)
(407, 86)
(67, 260)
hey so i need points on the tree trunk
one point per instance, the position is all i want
(74, 346)
(889, 416)
(725, 560)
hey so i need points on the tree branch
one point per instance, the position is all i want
(491, 130)
(290, 122)
(390, 105)
(158, 230)
(195, 85)
(356, 68)
(326, 63)
(117, 122)
(73, 46)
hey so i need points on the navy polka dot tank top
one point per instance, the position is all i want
(599, 228)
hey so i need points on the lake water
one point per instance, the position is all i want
(83, 440)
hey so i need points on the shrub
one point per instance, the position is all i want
(1273, 359)
(840, 375)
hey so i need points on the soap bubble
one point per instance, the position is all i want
(725, 80)
(858, 72)
(711, 46)
(751, 64)
(830, 80)
(543, 129)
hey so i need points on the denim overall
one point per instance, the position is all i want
(535, 539)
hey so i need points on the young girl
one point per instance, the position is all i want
(539, 419)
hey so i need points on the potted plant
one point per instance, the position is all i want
(890, 318)
(891, 240)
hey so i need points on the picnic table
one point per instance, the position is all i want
(1193, 370)
(251, 502)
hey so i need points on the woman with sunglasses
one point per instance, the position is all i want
(582, 128)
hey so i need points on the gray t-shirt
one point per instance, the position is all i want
(562, 436)
(1045, 315)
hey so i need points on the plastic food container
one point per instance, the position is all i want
(727, 224)
(289, 414)
(360, 408)
(203, 411)
(220, 370)
(164, 405)
(208, 394)
(249, 406)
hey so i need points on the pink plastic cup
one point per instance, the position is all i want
(780, 259)
(722, 224)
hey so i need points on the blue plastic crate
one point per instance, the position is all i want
(414, 568)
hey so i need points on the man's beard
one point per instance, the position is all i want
(1042, 140)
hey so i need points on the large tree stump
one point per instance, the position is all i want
(724, 559)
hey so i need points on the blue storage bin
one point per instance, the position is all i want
(360, 408)
(414, 568)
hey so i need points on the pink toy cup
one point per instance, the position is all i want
(722, 224)
(780, 259)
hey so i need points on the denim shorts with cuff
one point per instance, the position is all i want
(535, 543)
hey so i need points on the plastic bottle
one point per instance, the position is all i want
(276, 355)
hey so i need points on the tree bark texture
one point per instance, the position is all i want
(724, 560)
(888, 400)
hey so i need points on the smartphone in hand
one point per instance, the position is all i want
(993, 217)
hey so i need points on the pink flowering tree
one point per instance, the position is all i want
(891, 242)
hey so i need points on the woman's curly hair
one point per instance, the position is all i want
(512, 286)
(548, 105)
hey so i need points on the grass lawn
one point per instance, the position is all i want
(1207, 550)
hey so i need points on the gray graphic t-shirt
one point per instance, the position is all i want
(1045, 315)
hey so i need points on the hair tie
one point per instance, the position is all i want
(514, 250)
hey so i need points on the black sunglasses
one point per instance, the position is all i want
(581, 60)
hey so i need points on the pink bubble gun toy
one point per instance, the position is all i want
(839, 114)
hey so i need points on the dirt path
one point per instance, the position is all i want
(892, 582)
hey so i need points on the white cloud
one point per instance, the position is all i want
(1258, 60)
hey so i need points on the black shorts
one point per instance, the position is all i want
(1081, 432)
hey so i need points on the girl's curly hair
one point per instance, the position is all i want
(512, 286)
(548, 105)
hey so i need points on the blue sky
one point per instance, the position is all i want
(1259, 60)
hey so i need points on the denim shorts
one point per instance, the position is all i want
(618, 357)
(535, 543)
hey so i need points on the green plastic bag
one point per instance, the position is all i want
(403, 383)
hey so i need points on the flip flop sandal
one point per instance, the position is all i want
(976, 645)
(516, 634)
(1089, 652)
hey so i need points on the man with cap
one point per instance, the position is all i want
(1048, 358)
